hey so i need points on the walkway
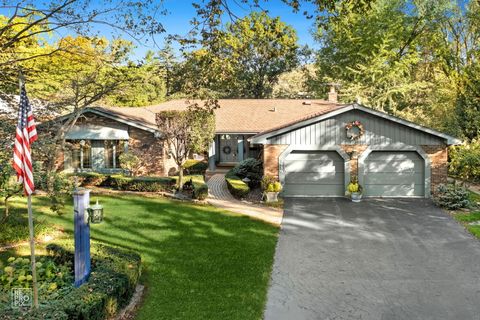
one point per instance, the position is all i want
(220, 197)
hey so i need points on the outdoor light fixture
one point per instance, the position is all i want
(95, 213)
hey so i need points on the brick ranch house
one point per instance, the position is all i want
(305, 144)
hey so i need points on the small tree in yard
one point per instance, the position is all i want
(187, 131)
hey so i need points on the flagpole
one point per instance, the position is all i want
(32, 251)
(30, 227)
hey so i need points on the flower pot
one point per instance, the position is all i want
(356, 196)
(271, 196)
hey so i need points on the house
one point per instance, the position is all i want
(312, 147)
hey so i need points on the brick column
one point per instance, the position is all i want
(271, 152)
(438, 155)
(359, 149)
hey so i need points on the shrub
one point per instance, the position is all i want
(249, 168)
(115, 274)
(145, 184)
(200, 191)
(58, 185)
(452, 197)
(236, 186)
(130, 162)
(85, 179)
(51, 276)
(465, 161)
(193, 167)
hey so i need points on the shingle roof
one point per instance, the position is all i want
(238, 115)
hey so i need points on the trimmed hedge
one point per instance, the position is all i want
(145, 184)
(86, 179)
(193, 167)
(200, 191)
(115, 274)
(236, 186)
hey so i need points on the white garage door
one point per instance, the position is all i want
(314, 173)
(394, 174)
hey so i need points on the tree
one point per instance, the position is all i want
(187, 131)
(30, 21)
(144, 84)
(259, 49)
(8, 185)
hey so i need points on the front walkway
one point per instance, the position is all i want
(220, 197)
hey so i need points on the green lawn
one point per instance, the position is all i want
(199, 262)
(467, 218)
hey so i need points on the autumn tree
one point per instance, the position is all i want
(187, 131)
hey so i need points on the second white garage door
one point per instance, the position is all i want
(394, 174)
(314, 173)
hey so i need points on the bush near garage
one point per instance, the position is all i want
(452, 197)
(465, 161)
(249, 168)
(115, 274)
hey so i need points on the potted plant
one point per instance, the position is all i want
(271, 188)
(355, 190)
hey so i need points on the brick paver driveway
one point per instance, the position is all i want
(378, 259)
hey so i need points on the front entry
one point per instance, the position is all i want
(228, 148)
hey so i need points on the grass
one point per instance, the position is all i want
(467, 217)
(199, 262)
(474, 197)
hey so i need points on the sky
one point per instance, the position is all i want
(180, 12)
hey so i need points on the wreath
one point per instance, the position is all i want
(227, 149)
(355, 130)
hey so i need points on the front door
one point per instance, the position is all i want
(228, 148)
(98, 154)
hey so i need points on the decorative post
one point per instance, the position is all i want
(81, 202)
(240, 148)
(211, 156)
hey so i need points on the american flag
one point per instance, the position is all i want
(26, 134)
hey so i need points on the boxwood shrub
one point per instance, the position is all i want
(85, 179)
(193, 167)
(145, 184)
(236, 186)
(115, 274)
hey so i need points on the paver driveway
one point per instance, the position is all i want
(378, 259)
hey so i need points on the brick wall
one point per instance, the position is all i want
(359, 149)
(438, 157)
(271, 152)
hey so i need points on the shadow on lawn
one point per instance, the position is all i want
(199, 261)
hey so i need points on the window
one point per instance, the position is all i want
(113, 149)
(81, 154)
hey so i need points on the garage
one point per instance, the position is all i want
(314, 173)
(394, 174)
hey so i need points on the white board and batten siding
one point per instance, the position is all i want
(378, 131)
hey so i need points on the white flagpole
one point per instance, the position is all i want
(30, 227)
